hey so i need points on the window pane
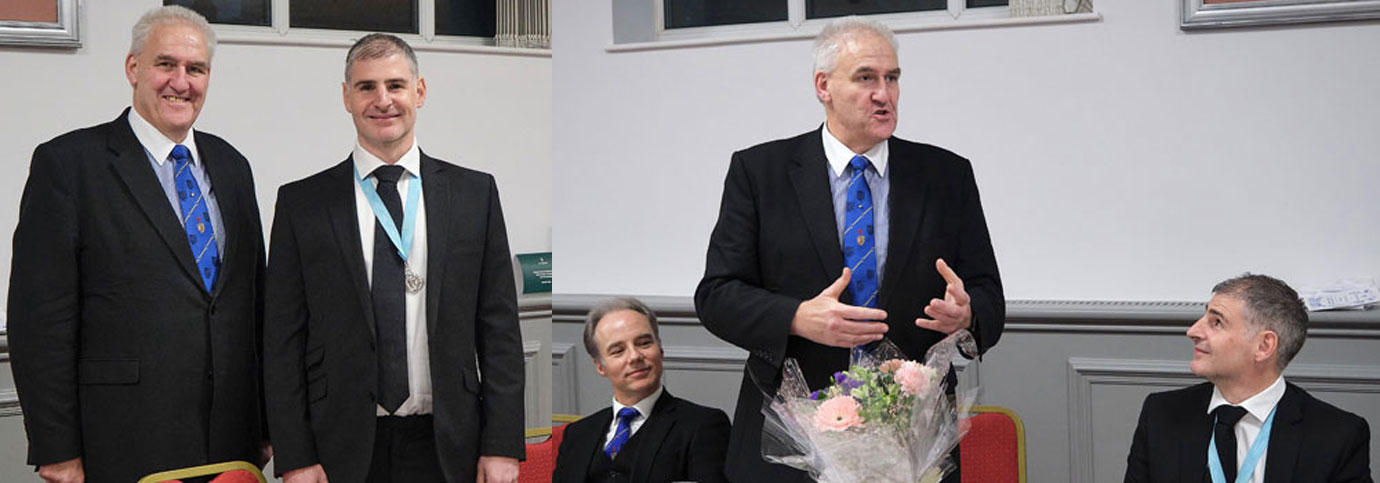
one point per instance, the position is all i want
(839, 8)
(236, 12)
(474, 18)
(367, 15)
(700, 13)
(986, 3)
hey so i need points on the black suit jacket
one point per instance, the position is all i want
(681, 441)
(776, 244)
(1311, 442)
(120, 355)
(320, 367)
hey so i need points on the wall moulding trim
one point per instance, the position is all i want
(1084, 373)
(1068, 316)
(564, 391)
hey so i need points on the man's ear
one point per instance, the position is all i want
(599, 367)
(1267, 346)
(822, 87)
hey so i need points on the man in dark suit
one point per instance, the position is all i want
(392, 348)
(1253, 327)
(134, 305)
(899, 220)
(648, 435)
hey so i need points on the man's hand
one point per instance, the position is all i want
(306, 474)
(953, 313)
(265, 453)
(497, 469)
(65, 472)
(825, 320)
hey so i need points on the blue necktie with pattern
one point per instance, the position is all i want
(859, 244)
(196, 218)
(622, 433)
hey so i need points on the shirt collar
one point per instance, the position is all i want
(1258, 405)
(644, 407)
(366, 162)
(158, 145)
(839, 155)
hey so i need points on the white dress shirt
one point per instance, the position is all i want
(418, 352)
(644, 407)
(1257, 408)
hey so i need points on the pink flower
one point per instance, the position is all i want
(890, 366)
(914, 377)
(838, 413)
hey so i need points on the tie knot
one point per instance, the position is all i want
(860, 163)
(628, 413)
(388, 173)
(1228, 414)
(181, 154)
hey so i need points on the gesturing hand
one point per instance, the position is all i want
(825, 320)
(953, 313)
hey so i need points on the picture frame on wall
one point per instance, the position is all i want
(1208, 14)
(40, 23)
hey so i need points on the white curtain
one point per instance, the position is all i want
(524, 23)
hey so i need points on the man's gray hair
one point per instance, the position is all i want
(166, 15)
(378, 46)
(1271, 304)
(610, 306)
(831, 39)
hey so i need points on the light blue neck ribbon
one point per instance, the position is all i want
(1258, 446)
(403, 242)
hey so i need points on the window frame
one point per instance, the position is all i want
(280, 32)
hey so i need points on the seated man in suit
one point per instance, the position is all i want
(656, 437)
(1247, 419)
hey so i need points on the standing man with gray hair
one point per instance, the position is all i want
(135, 292)
(840, 236)
(392, 348)
(1246, 423)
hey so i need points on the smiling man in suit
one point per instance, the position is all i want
(392, 346)
(648, 435)
(134, 305)
(841, 235)
(1247, 422)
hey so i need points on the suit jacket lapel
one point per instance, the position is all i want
(586, 440)
(1286, 437)
(652, 434)
(1195, 426)
(227, 198)
(340, 200)
(909, 187)
(810, 179)
(131, 163)
(437, 193)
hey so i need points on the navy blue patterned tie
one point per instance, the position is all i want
(389, 296)
(622, 432)
(196, 218)
(859, 243)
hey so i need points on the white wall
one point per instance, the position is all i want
(1119, 160)
(281, 106)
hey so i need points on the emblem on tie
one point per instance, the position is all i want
(201, 228)
(861, 239)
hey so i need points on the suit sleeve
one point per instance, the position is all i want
(1138, 462)
(1355, 462)
(708, 449)
(499, 342)
(562, 472)
(730, 300)
(45, 311)
(977, 265)
(284, 344)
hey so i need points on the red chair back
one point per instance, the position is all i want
(541, 459)
(994, 449)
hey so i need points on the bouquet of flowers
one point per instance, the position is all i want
(885, 419)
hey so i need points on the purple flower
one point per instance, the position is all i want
(848, 384)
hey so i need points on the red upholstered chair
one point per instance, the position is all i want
(994, 449)
(541, 457)
(228, 472)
